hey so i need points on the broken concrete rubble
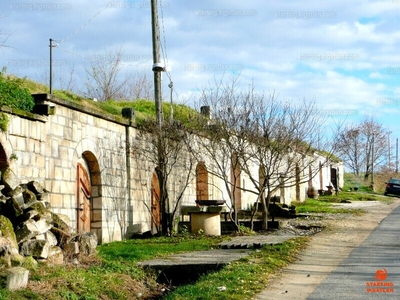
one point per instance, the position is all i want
(29, 230)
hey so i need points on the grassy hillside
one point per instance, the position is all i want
(144, 108)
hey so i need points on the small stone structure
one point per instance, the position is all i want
(206, 216)
(29, 231)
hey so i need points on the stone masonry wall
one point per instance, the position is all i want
(48, 147)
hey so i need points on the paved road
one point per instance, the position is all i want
(379, 252)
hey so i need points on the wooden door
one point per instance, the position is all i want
(201, 182)
(334, 177)
(155, 205)
(83, 199)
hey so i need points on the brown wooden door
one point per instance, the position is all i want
(201, 182)
(83, 199)
(155, 205)
(334, 177)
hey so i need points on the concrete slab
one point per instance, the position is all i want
(256, 241)
(188, 267)
(210, 257)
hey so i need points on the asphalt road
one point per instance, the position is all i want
(362, 274)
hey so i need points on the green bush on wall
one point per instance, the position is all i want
(3, 122)
(13, 94)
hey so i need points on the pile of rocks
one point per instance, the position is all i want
(30, 231)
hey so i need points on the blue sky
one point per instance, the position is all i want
(342, 54)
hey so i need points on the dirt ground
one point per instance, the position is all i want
(326, 250)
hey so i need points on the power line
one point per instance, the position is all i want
(164, 48)
(85, 24)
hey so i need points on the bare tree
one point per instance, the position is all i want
(115, 186)
(105, 79)
(249, 131)
(141, 86)
(167, 149)
(356, 143)
(64, 77)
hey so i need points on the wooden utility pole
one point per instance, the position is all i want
(372, 160)
(161, 154)
(157, 67)
(397, 155)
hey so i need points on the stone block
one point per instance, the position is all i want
(35, 187)
(9, 179)
(26, 231)
(71, 248)
(88, 243)
(56, 256)
(29, 196)
(14, 278)
(35, 248)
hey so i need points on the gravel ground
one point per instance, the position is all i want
(328, 247)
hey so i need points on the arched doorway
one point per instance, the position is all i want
(3, 158)
(88, 195)
(201, 182)
(155, 205)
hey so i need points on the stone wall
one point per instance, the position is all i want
(81, 157)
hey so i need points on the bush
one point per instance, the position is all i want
(13, 94)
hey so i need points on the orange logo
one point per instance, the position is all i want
(380, 285)
(381, 275)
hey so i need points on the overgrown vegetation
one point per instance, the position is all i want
(244, 278)
(115, 267)
(144, 108)
(323, 206)
(114, 273)
(13, 93)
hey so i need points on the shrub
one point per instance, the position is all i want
(13, 94)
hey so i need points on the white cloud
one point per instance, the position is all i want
(297, 49)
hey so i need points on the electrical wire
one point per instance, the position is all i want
(85, 24)
(164, 48)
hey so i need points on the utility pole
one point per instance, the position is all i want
(389, 148)
(372, 160)
(161, 154)
(157, 67)
(51, 66)
(397, 155)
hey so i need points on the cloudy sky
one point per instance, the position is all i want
(342, 54)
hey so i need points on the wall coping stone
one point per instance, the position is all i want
(45, 98)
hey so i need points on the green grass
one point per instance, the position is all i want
(323, 206)
(325, 203)
(144, 108)
(114, 273)
(245, 278)
(157, 247)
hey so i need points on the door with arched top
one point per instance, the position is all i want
(201, 182)
(83, 199)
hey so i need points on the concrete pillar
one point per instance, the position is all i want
(209, 222)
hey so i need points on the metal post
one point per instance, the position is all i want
(51, 66)
(171, 109)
